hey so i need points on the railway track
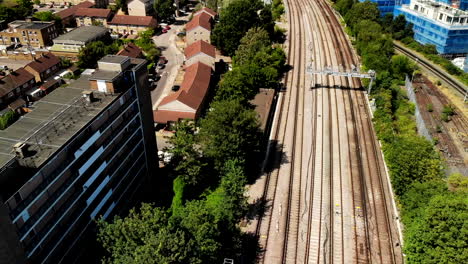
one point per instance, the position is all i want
(327, 200)
(455, 84)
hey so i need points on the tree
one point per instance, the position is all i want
(164, 9)
(212, 4)
(24, 8)
(146, 236)
(277, 9)
(234, 22)
(401, 66)
(230, 131)
(343, 6)
(7, 119)
(411, 159)
(6, 13)
(252, 42)
(94, 51)
(362, 11)
(122, 4)
(440, 235)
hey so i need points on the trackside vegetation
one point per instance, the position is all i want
(213, 159)
(434, 208)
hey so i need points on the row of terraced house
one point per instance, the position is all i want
(189, 101)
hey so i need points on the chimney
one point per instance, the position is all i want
(88, 95)
(20, 149)
(28, 19)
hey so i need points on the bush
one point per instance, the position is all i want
(7, 119)
(430, 107)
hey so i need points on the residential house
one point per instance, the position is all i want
(68, 15)
(132, 25)
(69, 44)
(29, 33)
(208, 11)
(187, 103)
(92, 16)
(140, 7)
(14, 86)
(43, 67)
(131, 50)
(200, 51)
(199, 28)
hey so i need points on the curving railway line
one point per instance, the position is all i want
(451, 81)
(329, 200)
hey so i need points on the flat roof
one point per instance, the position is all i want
(54, 120)
(82, 34)
(21, 24)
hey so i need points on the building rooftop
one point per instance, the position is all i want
(54, 120)
(82, 34)
(43, 63)
(207, 10)
(192, 92)
(21, 24)
(133, 20)
(93, 12)
(203, 20)
(130, 50)
(71, 11)
(200, 46)
(14, 80)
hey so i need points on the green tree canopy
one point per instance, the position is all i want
(229, 131)
(164, 9)
(423, 165)
(362, 11)
(234, 22)
(252, 42)
(440, 235)
(94, 51)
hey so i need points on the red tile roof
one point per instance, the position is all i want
(200, 46)
(43, 63)
(203, 20)
(93, 12)
(193, 89)
(134, 20)
(164, 116)
(130, 50)
(207, 10)
(71, 11)
(14, 80)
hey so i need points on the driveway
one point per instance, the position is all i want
(175, 59)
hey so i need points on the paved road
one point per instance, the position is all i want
(175, 58)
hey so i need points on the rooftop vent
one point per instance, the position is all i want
(21, 149)
(89, 96)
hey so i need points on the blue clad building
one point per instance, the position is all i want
(437, 23)
(443, 23)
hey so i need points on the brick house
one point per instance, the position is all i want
(91, 16)
(208, 11)
(68, 15)
(43, 67)
(14, 85)
(200, 51)
(131, 50)
(29, 33)
(199, 28)
(188, 102)
(132, 25)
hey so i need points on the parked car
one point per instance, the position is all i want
(175, 88)
(162, 60)
(167, 27)
(164, 31)
(161, 65)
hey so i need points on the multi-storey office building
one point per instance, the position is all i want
(81, 154)
(29, 33)
(437, 23)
